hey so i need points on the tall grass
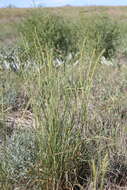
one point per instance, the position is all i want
(54, 97)
(57, 113)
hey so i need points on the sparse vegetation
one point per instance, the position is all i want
(63, 111)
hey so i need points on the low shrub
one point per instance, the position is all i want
(19, 154)
(101, 33)
(44, 31)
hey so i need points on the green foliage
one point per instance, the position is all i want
(47, 31)
(101, 33)
(44, 31)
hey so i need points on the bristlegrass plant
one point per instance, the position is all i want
(60, 106)
(71, 150)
